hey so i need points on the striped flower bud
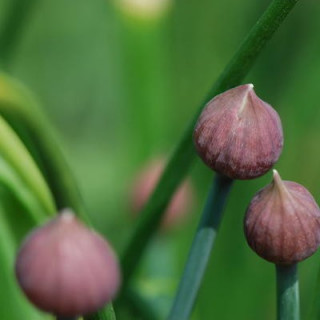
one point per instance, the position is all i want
(282, 223)
(239, 135)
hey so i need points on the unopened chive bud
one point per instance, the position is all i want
(67, 269)
(145, 182)
(239, 135)
(282, 223)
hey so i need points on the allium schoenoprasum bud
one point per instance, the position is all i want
(67, 269)
(145, 182)
(282, 223)
(239, 135)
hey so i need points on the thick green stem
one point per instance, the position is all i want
(201, 248)
(288, 307)
(11, 30)
(184, 154)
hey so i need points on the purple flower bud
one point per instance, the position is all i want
(144, 183)
(238, 134)
(67, 269)
(282, 223)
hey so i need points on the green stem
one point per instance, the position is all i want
(201, 248)
(19, 108)
(66, 318)
(146, 38)
(184, 154)
(13, 150)
(288, 307)
(107, 313)
(15, 19)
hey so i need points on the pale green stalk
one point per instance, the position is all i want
(200, 250)
(288, 305)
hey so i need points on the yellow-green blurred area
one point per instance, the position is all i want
(120, 80)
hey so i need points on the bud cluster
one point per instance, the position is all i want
(67, 269)
(240, 136)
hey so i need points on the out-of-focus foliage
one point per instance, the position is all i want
(25, 202)
(120, 87)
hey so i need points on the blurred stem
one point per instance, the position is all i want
(13, 150)
(14, 22)
(54, 166)
(10, 181)
(35, 133)
(66, 318)
(201, 248)
(288, 307)
(107, 313)
(19, 108)
(184, 154)
(147, 83)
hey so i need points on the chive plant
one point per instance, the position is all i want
(32, 129)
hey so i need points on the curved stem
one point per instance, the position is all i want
(184, 154)
(288, 307)
(11, 30)
(201, 248)
(19, 108)
(13, 150)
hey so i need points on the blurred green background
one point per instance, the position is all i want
(120, 80)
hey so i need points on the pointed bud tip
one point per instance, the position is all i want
(67, 215)
(276, 177)
(278, 183)
(247, 91)
(250, 86)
